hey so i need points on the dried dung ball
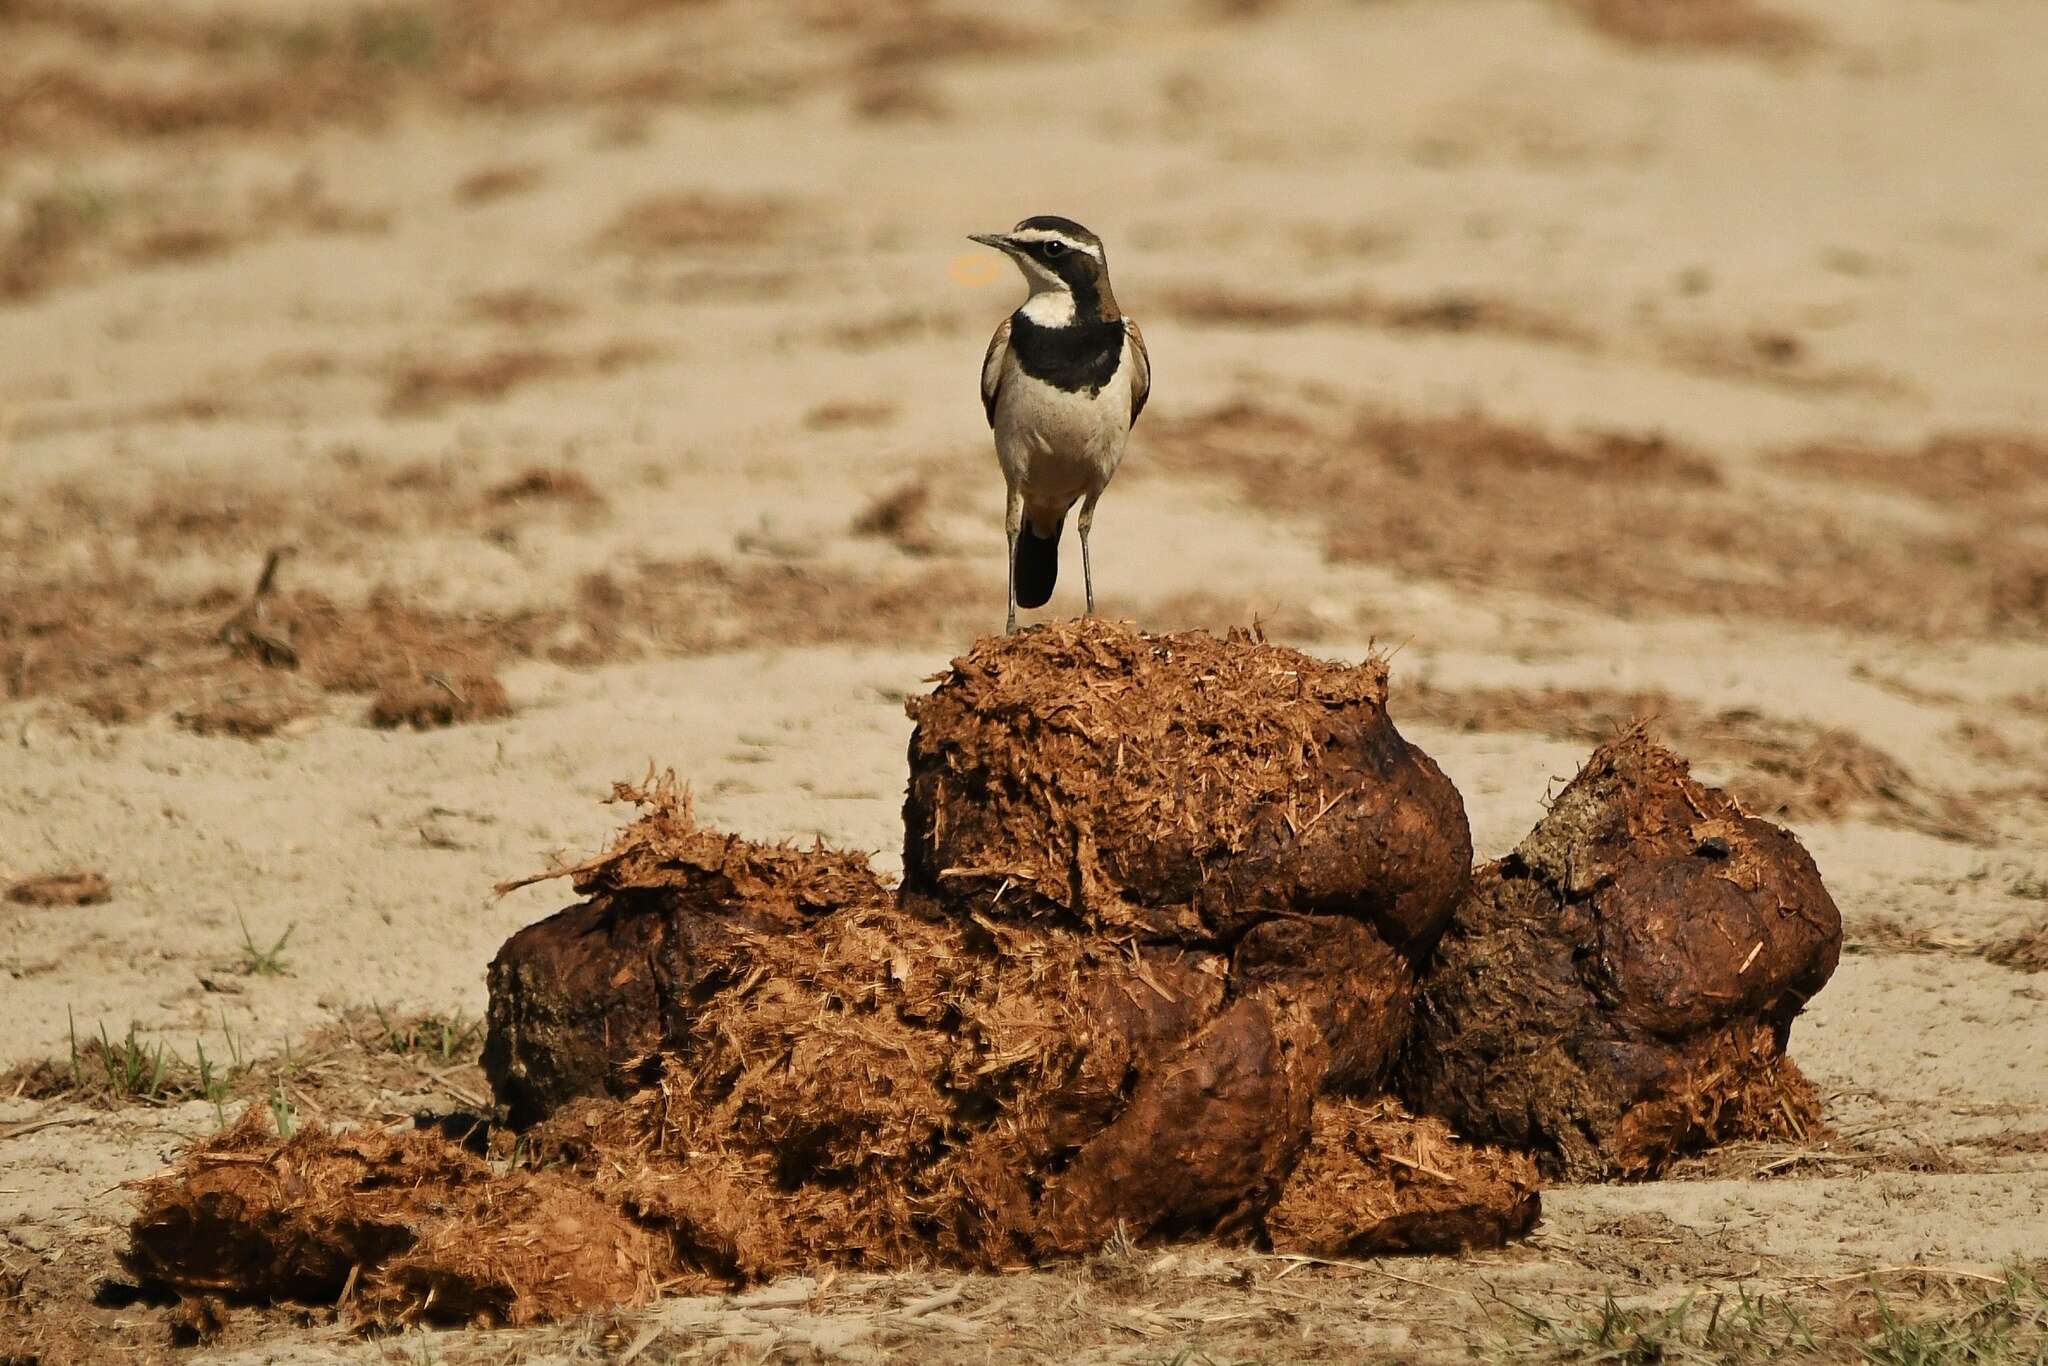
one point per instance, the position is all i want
(1180, 786)
(577, 996)
(1619, 989)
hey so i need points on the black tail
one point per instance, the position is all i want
(1038, 564)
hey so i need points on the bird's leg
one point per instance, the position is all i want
(1086, 521)
(1013, 521)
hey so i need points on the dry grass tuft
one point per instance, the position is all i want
(522, 308)
(540, 483)
(691, 220)
(2026, 951)
(73, 232)
(2023, 951)
(893, 37)
(834, 414)
(1900, 1316)
(426, 386)
(489, 184)
(1777, 359)
(227, 665)
(182, 243)
(431, 701)
(698, 605)
(242, 714)
(50, 230)
(255, 74)
(1971, 466)
(896, 97)
(1730, 24)
(1453, 313)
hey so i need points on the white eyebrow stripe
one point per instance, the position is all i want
(1049, 235)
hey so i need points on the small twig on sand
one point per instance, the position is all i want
(917, 1309)
(641, 1342)
(1305, 1260)
(36, 1126)
(1799, 1159)
(1958, 1272)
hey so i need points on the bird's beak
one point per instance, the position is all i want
(990, 239)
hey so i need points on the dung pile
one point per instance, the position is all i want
(1121, 1015)
(1619, 989)
(1169, 904)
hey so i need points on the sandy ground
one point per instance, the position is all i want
(1689, 371)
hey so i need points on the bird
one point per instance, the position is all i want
(1064, 379)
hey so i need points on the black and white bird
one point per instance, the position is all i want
(1064, 378)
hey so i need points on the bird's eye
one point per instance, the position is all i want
(1055, 249)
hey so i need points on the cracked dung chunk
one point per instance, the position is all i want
(1182, 786)
(577, 997)
(1619, 989)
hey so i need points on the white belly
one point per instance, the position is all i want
(1056, 446)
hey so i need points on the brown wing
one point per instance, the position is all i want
(1141, 374)
(992, 369)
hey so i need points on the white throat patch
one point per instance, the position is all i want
(1050, 307)
(1051, 303)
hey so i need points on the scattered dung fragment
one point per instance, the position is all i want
(398, 1227)
(73, 887)
(1182, 787)
(431, 701)
(1376, 1179)
(576, 996)
(1619, 989)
